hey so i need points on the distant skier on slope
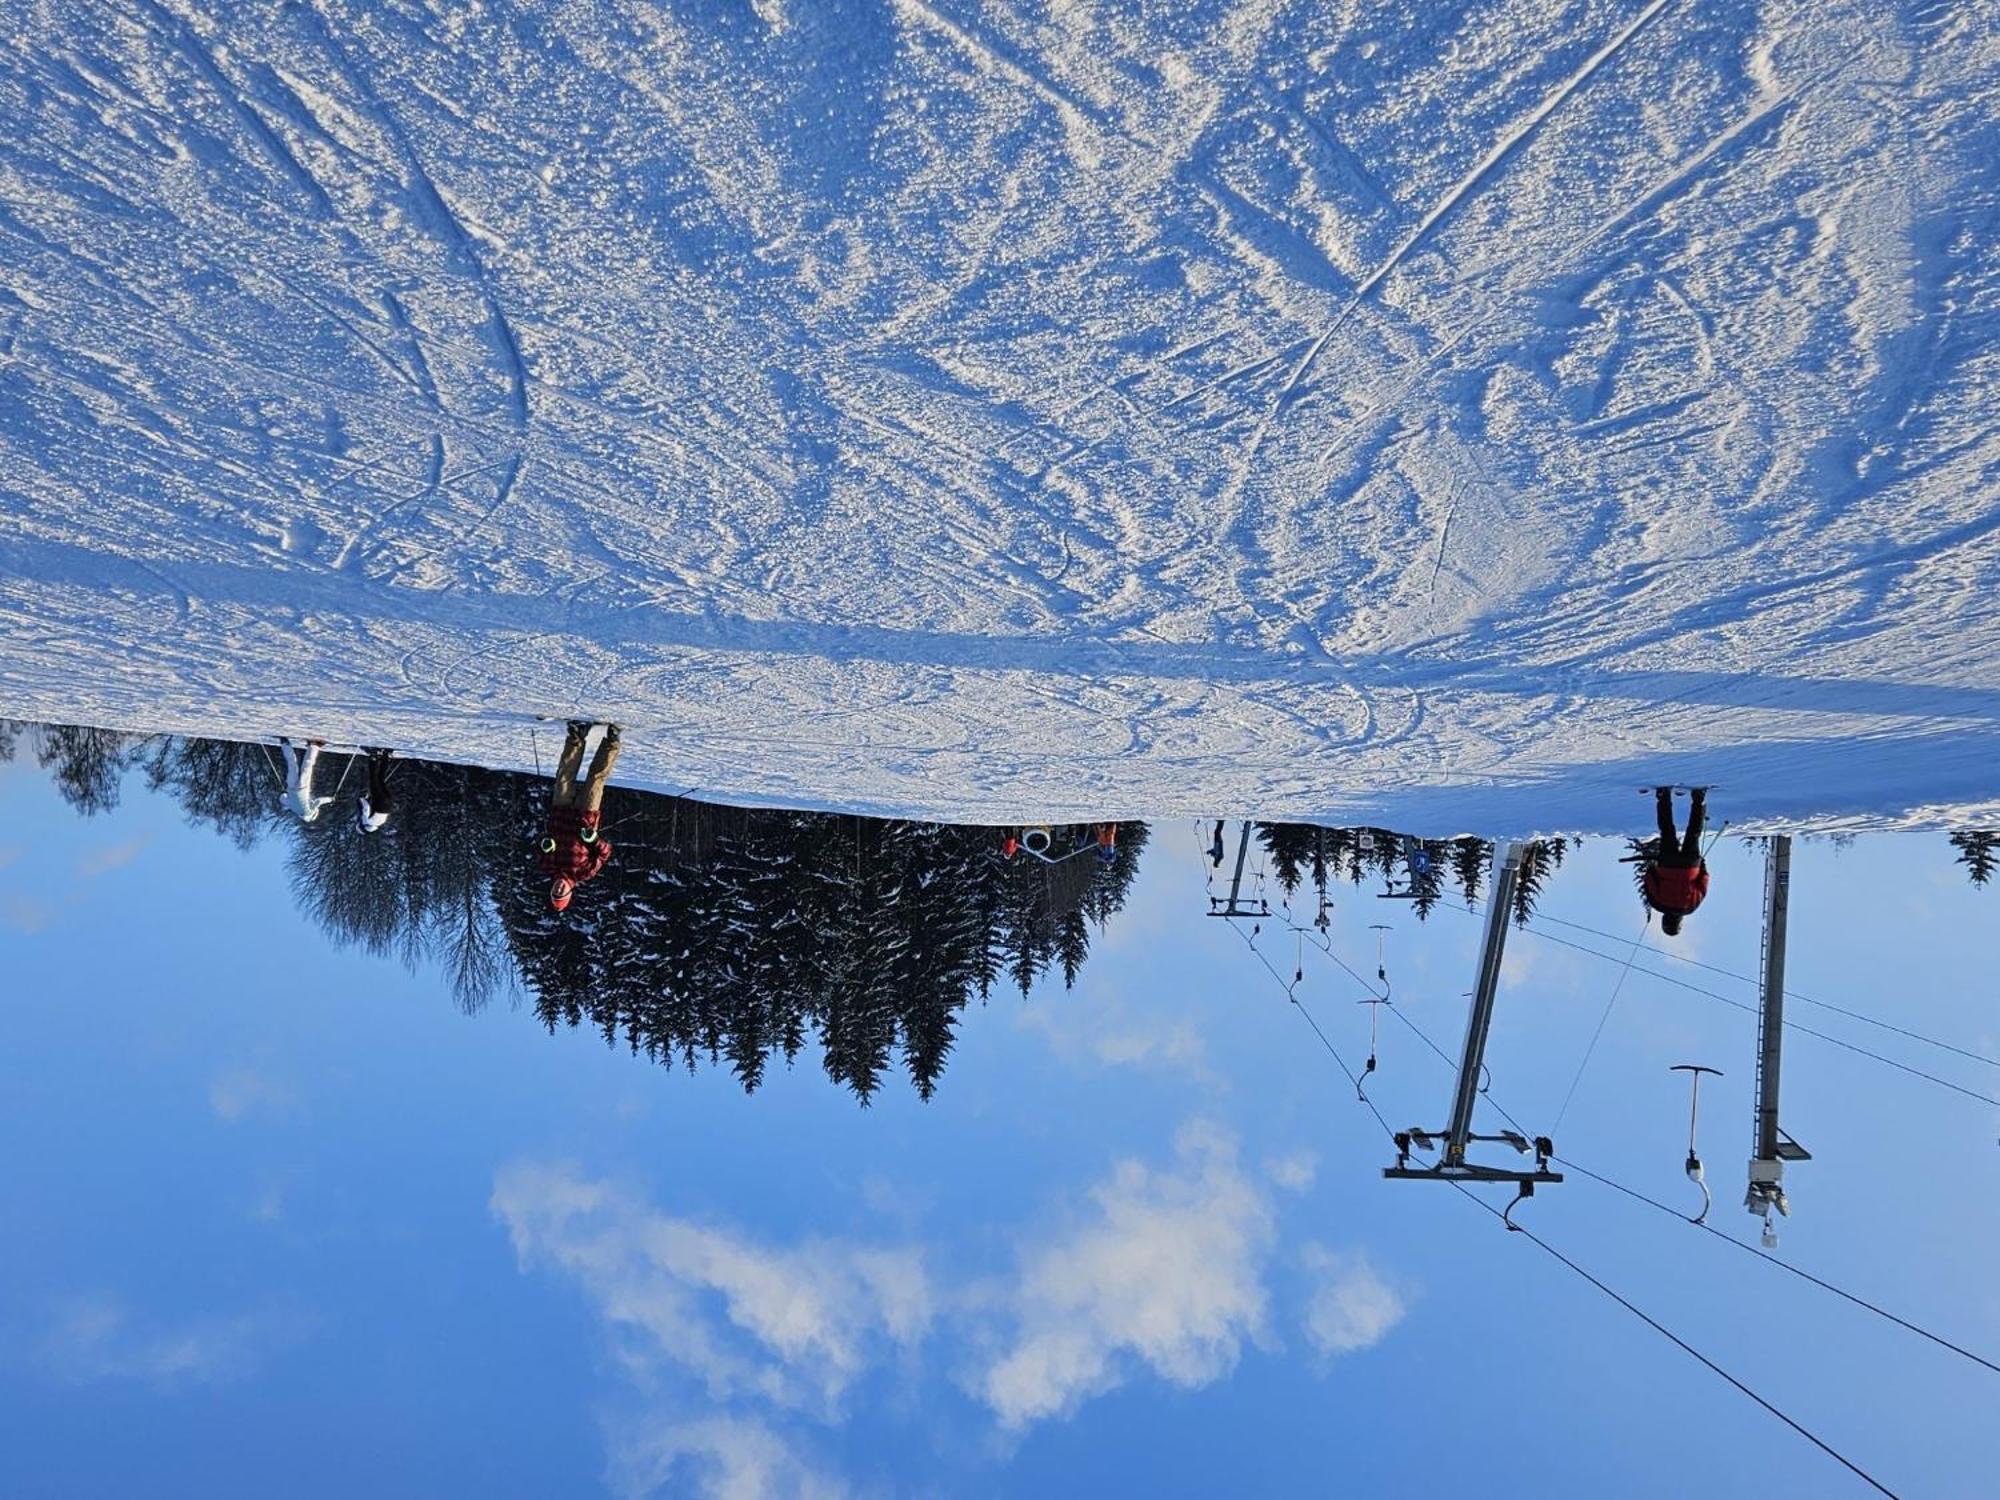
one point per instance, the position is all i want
(1676, 877)
(376, 803)
(299, 764)
(571, 850)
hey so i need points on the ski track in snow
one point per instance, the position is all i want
(1444, 416)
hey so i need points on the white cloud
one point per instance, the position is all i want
(96, 1339)
(238, 1092)
(1113, 1032)
(1518, 964)
(115, 857)
(25, 915)
(1294, 1171)
(268, 1206)
(733, 1347)
(792, 1327)
(715, 1458)
(1350, 1306)
(1167, 1273)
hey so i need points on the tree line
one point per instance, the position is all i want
(725, 934)
(1308, 857)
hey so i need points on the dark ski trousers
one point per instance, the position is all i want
(1677, 853)
(379, 800)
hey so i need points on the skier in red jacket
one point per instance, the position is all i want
(571, 850)
(1676, 878)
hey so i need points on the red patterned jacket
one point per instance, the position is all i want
(572, 857)
(1677, 888)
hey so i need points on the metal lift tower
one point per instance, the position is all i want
(1451, 1165)
(1771, 1148)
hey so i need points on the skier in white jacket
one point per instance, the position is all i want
(299, 763)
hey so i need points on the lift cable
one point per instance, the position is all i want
(1743, 1245)
(1208, 870)
(1901, 1067)
(1590, 1051)
(1332, 1051)
(1790, 994)
(1665, 1332)
(1770, 1259)
(1381, 997)
(1650, 1322)
(1355, 974)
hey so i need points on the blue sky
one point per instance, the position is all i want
(279, 1218)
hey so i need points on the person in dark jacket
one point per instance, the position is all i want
(1676, 878)
(372, 812)
(572, 851)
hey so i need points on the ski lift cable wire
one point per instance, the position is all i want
(1667, 1333)
(1766, 1256)
(1790, 994)
(1332, 1051)
(1743, 1245)
(1711, 1229)
(1382, 995)
(1447, 1059)
(1352, 972)
(1590, 1051)
(1651, 1322)
(1790, 1025)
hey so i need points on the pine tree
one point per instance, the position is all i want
(1072, 946)
(1979, 851)
(1470, 860)
(1289, 847)
(1539, 860)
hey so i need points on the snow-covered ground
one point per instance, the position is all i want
(1451, 416)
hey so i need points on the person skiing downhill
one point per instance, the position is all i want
(299, 764)
(571, 849)
(376, 804)
(1676, 877)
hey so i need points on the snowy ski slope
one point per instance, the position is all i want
(1453, 416)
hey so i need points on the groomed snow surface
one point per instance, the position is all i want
(1444, 416)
